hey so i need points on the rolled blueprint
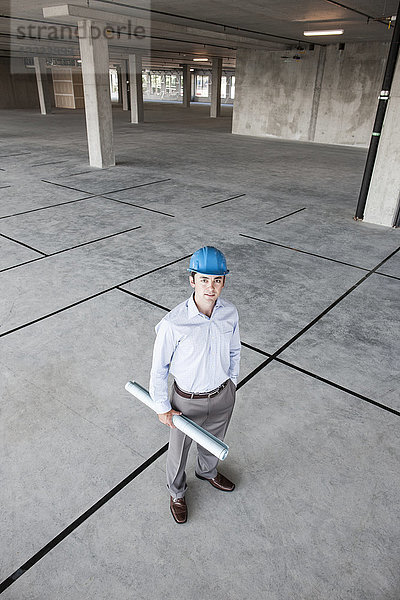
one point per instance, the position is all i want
(201, 436)
(188, 427)
(140, 393)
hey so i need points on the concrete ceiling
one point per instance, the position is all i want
(183, 30)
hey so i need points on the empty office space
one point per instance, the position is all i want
(134, 136)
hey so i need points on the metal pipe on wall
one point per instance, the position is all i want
(379, 119)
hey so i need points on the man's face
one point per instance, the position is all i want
(207, 288)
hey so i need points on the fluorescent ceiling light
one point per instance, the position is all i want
(200, 60)
(326, 32)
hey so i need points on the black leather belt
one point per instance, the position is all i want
(198, 396)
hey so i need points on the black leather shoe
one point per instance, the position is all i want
(178, 509)
(220, 482)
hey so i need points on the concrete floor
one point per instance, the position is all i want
(89, 262)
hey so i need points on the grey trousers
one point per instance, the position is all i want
(214, 415)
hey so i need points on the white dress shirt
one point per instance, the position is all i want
(200, 352)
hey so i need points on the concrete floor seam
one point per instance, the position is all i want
(221, 201)
(27, 262)
(318, 318)
(65, 249)
(138, 206)
(339, 387)
(108, 192)
(60, 310)
(57, 162)
(16, 154)
(324, 380)
(131, 187)
(68, 187)
(22, 244)
(173, 262)
(106, 237)
(56, 312)
(304, 252)
(25, 212)
(79, 173)
(121, 289)
(285, 216)
(81, 519)
(386, 275)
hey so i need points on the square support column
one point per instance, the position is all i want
(136, 88)
(383, 199)
(124, 85)
(215, 109)
(42, 84)
(186, 86)
(96, 86)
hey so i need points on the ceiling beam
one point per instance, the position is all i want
(162, 30)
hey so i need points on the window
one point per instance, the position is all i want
(233, 87)
(202, 82)
(223, 87)
(114, 85)
(155, 84)
(171, 84)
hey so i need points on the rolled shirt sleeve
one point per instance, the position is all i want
(164, 348)
(235, 353)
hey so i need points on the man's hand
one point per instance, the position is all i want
(166, 418)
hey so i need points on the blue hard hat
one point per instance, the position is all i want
(209, 261)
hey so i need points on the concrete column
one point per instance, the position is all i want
(124, 86)
(136, 88)
(215, 109)
(384, 192)
(42, 84)
(96, 86)
(186, 86)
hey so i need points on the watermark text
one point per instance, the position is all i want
(74, 32)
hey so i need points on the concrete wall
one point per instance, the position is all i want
(328, 98)
(349, 94)
(18, 89)
(273, 97)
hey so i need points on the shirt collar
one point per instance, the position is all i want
(193, 310)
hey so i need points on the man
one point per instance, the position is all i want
(198, 343)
